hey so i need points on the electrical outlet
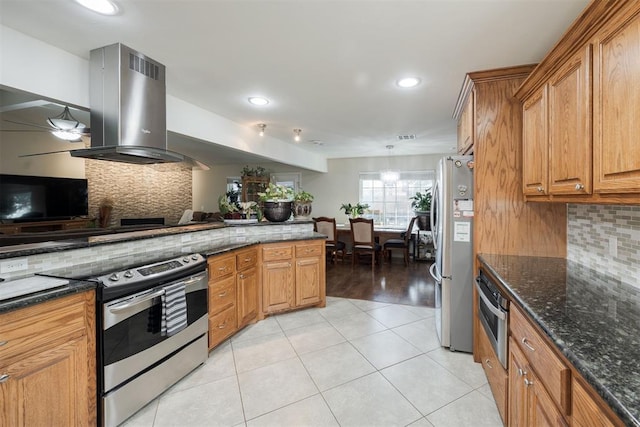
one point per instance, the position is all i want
(14, 265)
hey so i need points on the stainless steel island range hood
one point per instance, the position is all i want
(128, 108)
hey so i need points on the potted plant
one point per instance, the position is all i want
(227, 209)
(354, 210)
(276, 202)
(421, 203)
(302, 204)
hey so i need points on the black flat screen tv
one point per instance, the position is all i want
(39, 198)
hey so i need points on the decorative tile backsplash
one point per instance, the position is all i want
(606, 238)
(140, 191)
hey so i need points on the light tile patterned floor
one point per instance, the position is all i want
(352, 363)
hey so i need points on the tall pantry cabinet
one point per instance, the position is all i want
(504, 223)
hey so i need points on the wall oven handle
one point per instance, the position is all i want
(136, 301)
(498, 313)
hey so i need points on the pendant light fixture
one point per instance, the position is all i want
(296, 133)
(66, 126)
(262, 127)
(389, 176)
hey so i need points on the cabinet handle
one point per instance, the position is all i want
(488, 363)
(4, 378)
(222, 294)
(224, 325)
(247, 259)
(526, 344)
(242, 276)
(540, 189)
(3, 343)
(289, 264)
(521, 373)
(528, 382)
(222, 268)
(579, 187)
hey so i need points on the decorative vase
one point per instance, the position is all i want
(302, 210)
(277, 211)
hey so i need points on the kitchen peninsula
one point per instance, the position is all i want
(254, 270)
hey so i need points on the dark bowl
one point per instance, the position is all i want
(277, 211)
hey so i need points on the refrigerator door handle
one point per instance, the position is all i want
(434, 273)
(432, 216)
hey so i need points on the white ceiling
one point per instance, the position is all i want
(328, 67)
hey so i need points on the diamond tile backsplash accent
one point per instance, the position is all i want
(606, 238)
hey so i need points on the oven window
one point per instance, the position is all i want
(142, 331)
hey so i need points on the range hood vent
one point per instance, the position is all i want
(128, 108)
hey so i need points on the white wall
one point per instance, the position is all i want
(339, 185)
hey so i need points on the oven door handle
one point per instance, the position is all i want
(194, 279)
(498, 313)
(136, 301)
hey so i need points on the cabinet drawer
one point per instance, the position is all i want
(496, 374)
(309, 250)
(39, 326)
(221, 326)
(222, 294)
(246, 259)
(273, 253)
(221, 266)
(548, 367)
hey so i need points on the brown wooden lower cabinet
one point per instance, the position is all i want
(48, 363)
(540, 387)
(246, 284)
(496, 374)
(529, 402)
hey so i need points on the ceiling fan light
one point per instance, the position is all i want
(65, 121)
(258, 100)
(67, 136)
(104, 7)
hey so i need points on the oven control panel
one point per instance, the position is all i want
(150, 271)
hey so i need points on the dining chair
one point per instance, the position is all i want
(363, 238)
(327, 226)
(402, 243)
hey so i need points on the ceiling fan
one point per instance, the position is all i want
(63, 126)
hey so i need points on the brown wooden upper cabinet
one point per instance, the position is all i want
(580, 111)
(465, 126)
(616, 105)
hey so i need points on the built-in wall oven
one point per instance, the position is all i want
(153, 332)
(493, 312)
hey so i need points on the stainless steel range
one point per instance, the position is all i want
(151, 331)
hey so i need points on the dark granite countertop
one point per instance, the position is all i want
(74, 287)
(122, 235)
(593, 319)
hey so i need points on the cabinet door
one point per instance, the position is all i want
(247, 296)
(586, 412)
(542, 411)
(535, 144)
(570, 156)
(308, 272)
(465, 126)
(277, 286)
(616, 107)
(48, 388)
(517, 387)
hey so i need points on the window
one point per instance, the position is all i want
(389, 203)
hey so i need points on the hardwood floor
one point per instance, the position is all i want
(392, 283)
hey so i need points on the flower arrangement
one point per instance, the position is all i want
(354, 210)
(276, 192)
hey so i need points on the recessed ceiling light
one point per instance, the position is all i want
(408, 82)
(104, 7)
(258, 100)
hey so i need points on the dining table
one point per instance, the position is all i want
(422, 251)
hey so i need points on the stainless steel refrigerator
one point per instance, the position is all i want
(452, 228)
